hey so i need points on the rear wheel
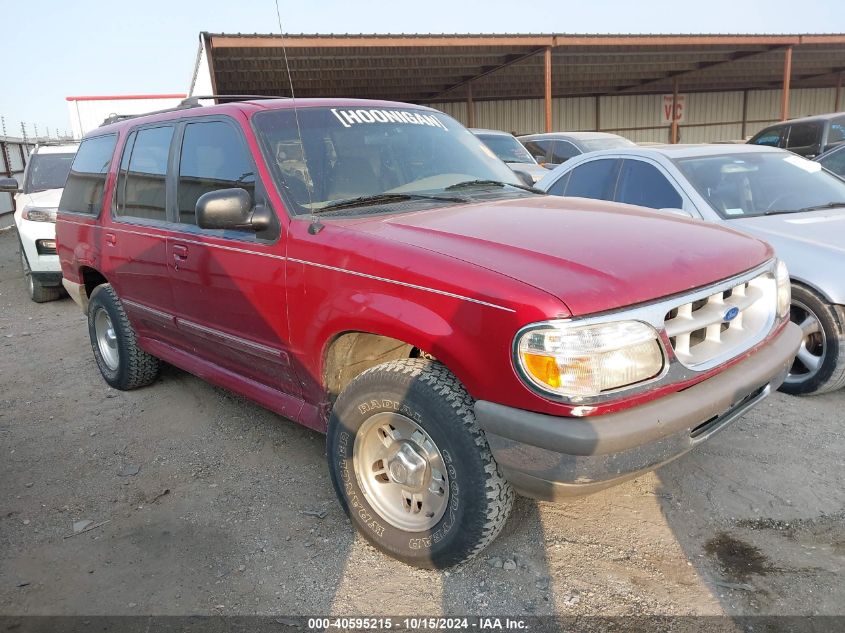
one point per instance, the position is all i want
(820, 364)
(411, 467)
(122, 363)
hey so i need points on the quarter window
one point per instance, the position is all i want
(596, 179)
(213, 157)
(141, 184)
(83, 192)
(642, 184)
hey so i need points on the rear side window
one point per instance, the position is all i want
(596, 179)
(643, 184)
(213, 157)
(141, 183)
(563, 151)
(770, 137)
(538, 149)
(83, 191)
(804, 136)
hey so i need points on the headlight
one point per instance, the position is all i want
(784, 290)
(582, 361)
(38, 214)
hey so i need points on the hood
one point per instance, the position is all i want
(815, 229)
(48, 198)
(593, 256)
(532, 169)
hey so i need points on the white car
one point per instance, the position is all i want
(36, 202)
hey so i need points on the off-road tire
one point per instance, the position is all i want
(135, 368)
(831, 374)
(37, 291)
(480, 499)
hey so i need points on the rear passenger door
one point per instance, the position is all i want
(228, 286)
(135, 240)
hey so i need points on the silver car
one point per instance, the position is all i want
(511, 151)
(773, 194)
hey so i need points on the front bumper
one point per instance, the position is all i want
(549, 457)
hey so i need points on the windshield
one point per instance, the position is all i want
(507, 148)
(349, 154)
(596, 144)
(47, 171)
(744, 185)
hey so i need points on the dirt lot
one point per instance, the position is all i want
(204, 503)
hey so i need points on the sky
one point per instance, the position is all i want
(62, 48)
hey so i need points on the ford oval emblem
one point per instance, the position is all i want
(731, 314)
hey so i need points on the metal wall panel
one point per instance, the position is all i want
(709, 117)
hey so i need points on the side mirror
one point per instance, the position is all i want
(9, 185)
(231, 209)
(525, 177)
(681, 212)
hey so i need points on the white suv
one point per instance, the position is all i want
(35, 217)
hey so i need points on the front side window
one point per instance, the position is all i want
(141, 184)
(754, 184)
(213, 157)
(83, 192)
(770, 137)
(595, 179)
(836, 133)
(642, 184)
(357, 158)
(47, 171)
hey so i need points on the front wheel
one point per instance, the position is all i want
(411, 467)
(38, 292)
(820, 364)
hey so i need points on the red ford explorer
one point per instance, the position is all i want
(372, 271)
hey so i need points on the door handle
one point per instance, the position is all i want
(180, 251)
(111, 239)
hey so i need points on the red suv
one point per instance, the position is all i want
(372, 271)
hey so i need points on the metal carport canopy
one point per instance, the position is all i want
(437, 68)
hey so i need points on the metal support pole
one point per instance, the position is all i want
(836, 102)
(7, 164)
(787, 75)
(744, 113)
(548, 88)
(674, 131)
(470, 107)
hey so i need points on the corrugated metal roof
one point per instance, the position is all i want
(444, 67)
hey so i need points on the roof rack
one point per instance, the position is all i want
(194, 100)
(190, 102)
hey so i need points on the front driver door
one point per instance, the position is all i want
(228, 286)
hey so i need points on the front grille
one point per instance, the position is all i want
(701, 331)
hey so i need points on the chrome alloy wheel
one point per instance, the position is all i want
(401, 471)
(106, 339)
(813, 345)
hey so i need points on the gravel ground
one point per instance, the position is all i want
(203, 503)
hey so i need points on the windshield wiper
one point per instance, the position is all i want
(817, 207)
(384, 198)
(466, 184)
